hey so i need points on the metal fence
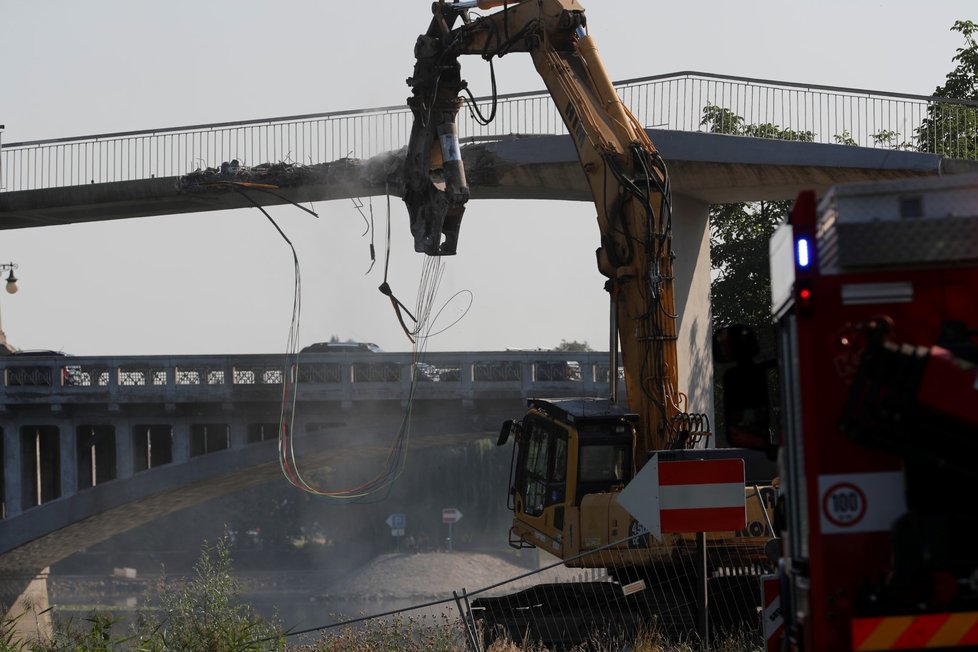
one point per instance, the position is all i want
(609, 604)
(822, 114)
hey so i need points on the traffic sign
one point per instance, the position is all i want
(450, 515)
(687, 496)
(844, 504)
(860, 502)
(772, 619)
(397, 522)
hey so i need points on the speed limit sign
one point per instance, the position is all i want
(844, 504)
(860, 502)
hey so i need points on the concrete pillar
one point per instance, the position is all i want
(181, 440)
(68, 458)
(24, 598)
(12, 467)
(692, 269)
(238, 432)
(123, 448)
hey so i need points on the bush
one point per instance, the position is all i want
(204, 613)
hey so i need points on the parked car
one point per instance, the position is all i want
(40, 353)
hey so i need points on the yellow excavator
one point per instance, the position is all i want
(572, 457)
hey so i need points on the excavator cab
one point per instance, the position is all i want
(564, 450)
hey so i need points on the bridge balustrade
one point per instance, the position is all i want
(67, 379)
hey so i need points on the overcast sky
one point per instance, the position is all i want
(222, 282)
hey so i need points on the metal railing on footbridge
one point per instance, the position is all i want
(685, 101)
(339, 377)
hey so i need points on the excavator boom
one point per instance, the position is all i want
(627, 177)
(572, 457)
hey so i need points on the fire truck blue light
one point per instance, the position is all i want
(801, 249)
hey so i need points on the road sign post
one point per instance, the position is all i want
(451, 516)
(398, 524)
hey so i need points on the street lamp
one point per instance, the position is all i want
(11, 279)
(12, 289)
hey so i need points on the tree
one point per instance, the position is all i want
(952, 129)
(739, 234)
(741, 287)
(573, 346)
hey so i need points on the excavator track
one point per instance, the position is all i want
(615, 611)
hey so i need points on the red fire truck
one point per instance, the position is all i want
(875, 299)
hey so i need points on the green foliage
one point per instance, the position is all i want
(720, 120)
(739, 235)
(443, 633)
(962, 82)
(891, 140)
(9, 641)
(95, 636)
(573, 346)
(845, 138)
(204, 614)
(952, 129)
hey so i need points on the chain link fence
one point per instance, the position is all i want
(609, 607)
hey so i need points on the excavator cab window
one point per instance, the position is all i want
(602, 463)
(542, 474)
(604, 460)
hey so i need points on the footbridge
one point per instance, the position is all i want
(709, 128)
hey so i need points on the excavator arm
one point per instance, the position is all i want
(627, 177)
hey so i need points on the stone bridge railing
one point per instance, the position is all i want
(28, 379)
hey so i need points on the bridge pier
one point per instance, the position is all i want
(13, 497)
(238, 434)
(691, 242)
(181, 441)
(123, 447)
(68, 458)
(24, 598)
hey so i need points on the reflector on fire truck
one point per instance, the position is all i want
(944, 630)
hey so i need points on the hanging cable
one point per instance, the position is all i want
(385, 287)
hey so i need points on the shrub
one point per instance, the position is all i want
(204, 613)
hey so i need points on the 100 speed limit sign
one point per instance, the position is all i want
(860, 502)
(844, 504)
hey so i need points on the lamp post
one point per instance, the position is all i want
(11, 289)
(11, 279)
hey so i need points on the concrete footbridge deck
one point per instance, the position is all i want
(706, 127)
